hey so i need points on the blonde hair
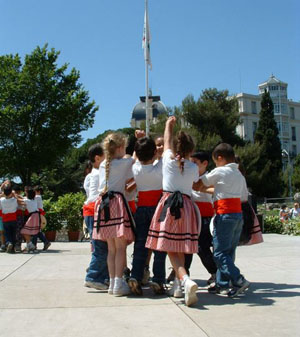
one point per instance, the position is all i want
(110, 145)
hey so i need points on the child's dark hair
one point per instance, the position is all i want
(201, 155)
(87, 168)
(95, 150)
(183, 145)
(224, 150)
(17, 189)
(7, 189)
(241, 166)
(145, 148)
(30, 193)
(39, 189)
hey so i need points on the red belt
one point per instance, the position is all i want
(206, 208)
(132, 206)
(149, 198)
(6, 217)
(231, 205)
(89, 209)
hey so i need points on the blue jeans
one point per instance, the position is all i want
(10, 231)
(143, 217)
(98, 271)
(40, 235)
(89, 221)
(226, 235)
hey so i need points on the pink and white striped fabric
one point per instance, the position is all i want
(175, 235)
(32, 225)
(118, 226)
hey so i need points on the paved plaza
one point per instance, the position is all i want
(43, 295)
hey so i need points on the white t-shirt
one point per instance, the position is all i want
(9, 205)
(227, 181)
(119, 172)
(39, 200)
(295, 212)
(86, 184)
(148, 177)
(201, 196)
(31, 205)
(93, 186)
(174, 179)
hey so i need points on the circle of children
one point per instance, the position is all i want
(179, 205)
(21, 218)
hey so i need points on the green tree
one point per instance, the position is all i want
(296, 174)
(214, 113)
(43, 109)
(269, 165)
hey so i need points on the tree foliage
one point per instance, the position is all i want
(269, 164)
(43, 109)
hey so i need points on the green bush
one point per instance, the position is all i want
(272, 224)
(292, 227)
(54, 221)
(69, 207)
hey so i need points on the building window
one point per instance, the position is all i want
(278, 126)
(285, 127)
(253, 107)
(276, 108)
(292, 112)
(294, 150)
(254, 128)
(294, 133)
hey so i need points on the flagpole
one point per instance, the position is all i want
(146, 79)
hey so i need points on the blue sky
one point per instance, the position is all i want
(196, 44)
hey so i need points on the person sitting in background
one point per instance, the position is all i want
(295, 212)
(283, 214)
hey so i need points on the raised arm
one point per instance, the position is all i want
(168, 134)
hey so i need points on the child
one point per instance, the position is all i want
(175, 224)
(228, 185)
(38, 197)
(20, 221)
(283, 214)
(87, 176)
(295, 212)
(97, 273)
(2, 238)
(148, 178)
(205, 205)
(113, 218)
(33, 223)
(8, 210)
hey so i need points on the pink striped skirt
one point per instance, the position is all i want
(175, 235)
(120, 221)
(32, 225)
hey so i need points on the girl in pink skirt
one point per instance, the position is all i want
(113, 219)
(33, 224)
(175, 226)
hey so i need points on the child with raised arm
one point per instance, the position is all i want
(229, 184)
(176, 223)
(148, 179)
(113, 219)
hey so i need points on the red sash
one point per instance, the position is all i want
(231, 205)
(149, 198)
(132, 206)
(6, 217)
(206, 208)
(89, 209)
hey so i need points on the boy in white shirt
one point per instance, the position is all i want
(228, 185)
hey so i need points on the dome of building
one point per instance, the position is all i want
(139, 111)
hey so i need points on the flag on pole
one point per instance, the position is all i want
(146, 38)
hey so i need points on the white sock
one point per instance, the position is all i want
(111, 282)
(185, 277)
(118, 282)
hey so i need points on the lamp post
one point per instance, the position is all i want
(286, 154)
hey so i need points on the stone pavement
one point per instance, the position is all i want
(43, 295)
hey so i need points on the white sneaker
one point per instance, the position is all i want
(190, 296)
(121, 290)
(176, 291)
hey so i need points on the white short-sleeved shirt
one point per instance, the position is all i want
(227, 181)
(201, 196)
(93, 186)
(39, 200)
(119, 172)
(174, 179)
(9, 205)
(31, 205)
(86, 184)
(148, 177)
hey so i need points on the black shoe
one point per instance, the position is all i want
(135, 286)
(47, 245)
(241, 286)
(171, 276)
(158, 288)
(126, 274)
(213, 289)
